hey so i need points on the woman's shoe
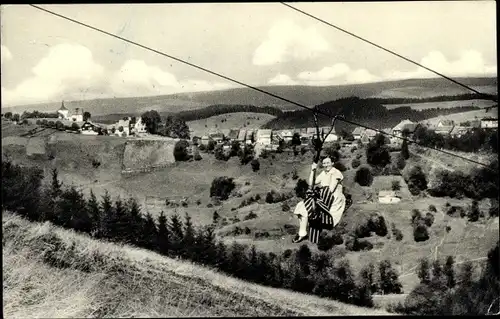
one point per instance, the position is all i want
(298, 239)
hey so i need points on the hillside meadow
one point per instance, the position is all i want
(100, 279)
(192, 181)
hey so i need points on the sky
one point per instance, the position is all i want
(46, 59)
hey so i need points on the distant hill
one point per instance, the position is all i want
(307, 95)
(370, 112)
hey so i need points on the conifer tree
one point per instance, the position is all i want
(135, 220)
(449, 272)
(107, 224)
(389, 282)
(176, 235)
(122, 222)
(188, 240)
(163, 235)
(423, 271)
(94, 212)
(405, 153)
(150, 233)
(221, 260)
(209, 246)
(368, 279)
(253, 272)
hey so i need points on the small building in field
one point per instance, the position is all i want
(388, 197)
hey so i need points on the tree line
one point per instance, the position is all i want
(442, 291)
(371, 112)
(122, 221)
(439, 98)
(214, 110)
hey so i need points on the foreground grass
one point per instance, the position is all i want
(52, 272)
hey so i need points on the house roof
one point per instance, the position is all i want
(358, 130)
(370, 132)
(264, 133)
(242, 134)
(446, 122)
(225, 131)
(286, 133)
(234, 133)
(444, 129)
(460, 129)
(402, 125)
(489, 119)
(63, 108)
(311, 130)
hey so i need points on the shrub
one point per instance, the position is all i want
(198, 202)
(255, 165)
(396, 185)
(420, 232)
(433, 209)
(247, 231)
(417, 181)
(222, 187)
(429, 219)
(364, 176)
(295, 175)
(250, 215)
(210, 205)
(415, 215)
(329, 239)
(340, 166)
(355, 163)
(257, 197)
(198, 157)
(301, 188)
(181, 150)
(448, 228)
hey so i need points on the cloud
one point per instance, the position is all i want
(282, 79)
(287, 41)
(66, 69)
(69, 72)
(470, 63)
(136, 78)
(339, 73)
(6, 55)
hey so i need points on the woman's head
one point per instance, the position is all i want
(327, 164)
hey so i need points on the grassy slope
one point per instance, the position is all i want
(234, 120)
(308, 95)
(107, 280)
(466, 116)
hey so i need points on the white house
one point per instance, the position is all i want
(286, 135)
(404, 125)
(489, 123)
(264, 137)
(138, 127)
(358, 132)
(332, 137)
(77, 116)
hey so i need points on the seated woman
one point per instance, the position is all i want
(330, 181)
